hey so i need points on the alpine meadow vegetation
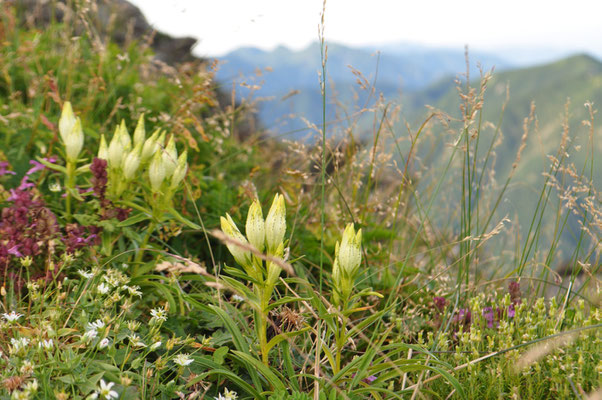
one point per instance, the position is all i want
(151, 250)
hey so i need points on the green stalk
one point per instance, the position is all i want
(261, 321)
(69, 186)
(149, 231)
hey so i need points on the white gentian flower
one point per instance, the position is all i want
(12, 316)
(46, 344)
(255, 227)
(237, 298)
(242, 256)
(183, 360)
(105, 390)
(155, 346)
(275, 224)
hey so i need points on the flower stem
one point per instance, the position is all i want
(149, 231)
(69, 186)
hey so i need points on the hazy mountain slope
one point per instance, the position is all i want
(578, 78)
(280, 71)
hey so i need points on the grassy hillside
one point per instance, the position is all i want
(150, 251)
(558, 91)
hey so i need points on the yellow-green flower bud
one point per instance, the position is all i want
(156, 172)
(150, 146)
(74, 141)
(139, 132)
(67, 121)
(255, 227)
(103, 150)
(350, 251)
(124, 137)
(275, 224)
(180, 171)
(116, 150)
(170, 157)
(241, 255)
(131, 162)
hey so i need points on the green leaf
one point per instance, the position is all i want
(68, 379)
(52, 166)
(183, 220)
(134, 219)
(286, 300)
(219, 354)
(284, 336)
(216, 369)
(237, 339)
(106, 367)
(86, 219)
(263, 369)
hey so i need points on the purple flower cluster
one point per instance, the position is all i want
(30, 229)
(27, 227)
(492, 316)
(99, 186)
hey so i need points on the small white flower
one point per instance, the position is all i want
(133, 290)
(54, 187)
(158, 315)
(228, 395)
(237, 298)
(98, 324)
(31, 387)
(89, 335)
(182, 360)
(104, 343)
(102, 288)
(18, 344)
(136, 341)
(27, 368)
(155, 346)
(46, 344)
(12, 316)
(20, 395)
(105, 390)
(85, 274)
(133, 325)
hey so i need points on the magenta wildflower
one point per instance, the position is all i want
(514, 290)
(511, 311)
(4, 170)
(488, 314)
(440, 303)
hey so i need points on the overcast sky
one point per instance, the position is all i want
(223, 25)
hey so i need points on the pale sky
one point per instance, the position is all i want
(223, 25)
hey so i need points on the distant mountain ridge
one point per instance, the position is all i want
(282, 70)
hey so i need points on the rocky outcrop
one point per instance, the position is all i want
(116, 19)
